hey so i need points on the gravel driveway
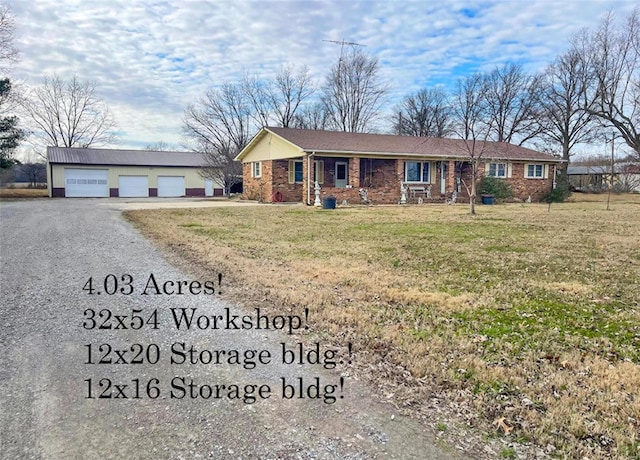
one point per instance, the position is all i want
(49, 329)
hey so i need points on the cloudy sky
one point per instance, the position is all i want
(149, 59)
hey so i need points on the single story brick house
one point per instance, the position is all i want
(89, 172)
(282, 164)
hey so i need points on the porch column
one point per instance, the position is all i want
(451, 177)
(307, 178)
(354, 172)
(399, 172)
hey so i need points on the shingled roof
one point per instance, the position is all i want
(336, 142)
(90, 156)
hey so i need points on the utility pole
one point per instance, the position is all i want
(612, 172)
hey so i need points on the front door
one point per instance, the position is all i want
(443, 178)
(342, 168)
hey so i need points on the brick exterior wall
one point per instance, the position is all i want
(523, 188)
(288, 192)
(258, 188)
(273, 183)
(381, 177)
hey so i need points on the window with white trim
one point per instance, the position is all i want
(497, 170)
(534, 171)
(416, 171)
(256, 169)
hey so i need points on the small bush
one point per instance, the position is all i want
(561, 192)
(490, 185)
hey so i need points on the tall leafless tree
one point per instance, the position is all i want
(288, 93)
(257, 92)
(353, 93)
(613, 52)
(69, 114)
(276, 101)
(564, 94)
(220, 124)
(511, 104)
(425, 113)
(473, 126)
(8, 52)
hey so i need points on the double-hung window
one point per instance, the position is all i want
(295, 171)
(534, 171)
(497, 170)
(416, 171)
(256, 169)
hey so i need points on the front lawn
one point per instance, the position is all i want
(517, 312)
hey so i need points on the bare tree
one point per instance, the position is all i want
(219, 123)
(8, 52)
(220, 166)
(473, 126)
(33, 172)
(511, 104)
(425, 113)
(257, 92)
(564, 94)
(288, 92)
(614, 55)
(353, 94)
(312, 117)
(276, 101)
(69, 114)
(160, 146)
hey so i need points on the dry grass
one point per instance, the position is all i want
(23, 193)
(516, 313)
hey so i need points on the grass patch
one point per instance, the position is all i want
(23, 193)
(517, 312)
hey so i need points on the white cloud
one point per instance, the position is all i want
(149, 59)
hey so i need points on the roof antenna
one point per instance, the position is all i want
(342, 43)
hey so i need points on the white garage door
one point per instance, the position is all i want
(133, 186)
(171, 186)
(86, 183)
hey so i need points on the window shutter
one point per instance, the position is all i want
(509, 169)
(546, 171)
(320, 169)
(292, 172)
(432, 176)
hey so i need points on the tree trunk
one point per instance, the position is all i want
(472, 195)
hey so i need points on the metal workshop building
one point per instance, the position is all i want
(78, 172)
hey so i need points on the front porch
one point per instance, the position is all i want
(379, 179)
